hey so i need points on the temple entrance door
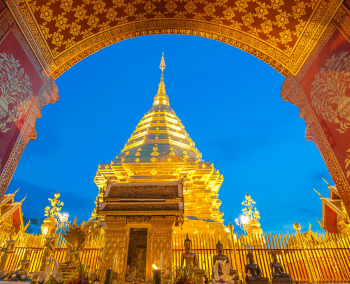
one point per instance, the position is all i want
(136, 263)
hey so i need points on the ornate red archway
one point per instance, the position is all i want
(282, 33)
(305, 40)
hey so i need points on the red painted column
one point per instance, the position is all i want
(25, 87)
(321, 90)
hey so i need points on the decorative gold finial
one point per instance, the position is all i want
(55, 208)
(296, 226)
(161, 98)
(162, 63)
(326, 182)
(318, 192)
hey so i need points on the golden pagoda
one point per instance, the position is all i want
(161, 151)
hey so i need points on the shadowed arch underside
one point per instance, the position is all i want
(280, 32)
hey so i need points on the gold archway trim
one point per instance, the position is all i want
(54, 43)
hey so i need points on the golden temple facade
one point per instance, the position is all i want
(161, 151)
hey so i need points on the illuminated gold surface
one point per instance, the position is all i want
(327, 257)
(160, 150)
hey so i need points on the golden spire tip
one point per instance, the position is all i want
(162, 63)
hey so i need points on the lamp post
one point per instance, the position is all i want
(297, 228)
(231, 227)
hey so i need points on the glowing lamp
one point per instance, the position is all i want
(245, 220)
(45, 230)
(154, 267)
(49, 227)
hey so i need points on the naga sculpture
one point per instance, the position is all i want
(75, 238)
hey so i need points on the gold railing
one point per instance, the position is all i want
(324, 258)
(91, 255)
(328, 256)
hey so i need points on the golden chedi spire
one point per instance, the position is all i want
(160, 150)
(161, 98)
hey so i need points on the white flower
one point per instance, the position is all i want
(24, 277)
(13, 275)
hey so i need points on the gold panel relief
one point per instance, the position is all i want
(161, 240)
(115, 245)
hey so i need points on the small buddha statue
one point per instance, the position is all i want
(167, 275)
(223, 257)
(136, 276)
(7, 249)
(278, 274)
(190, 260)
(129, 277)
(24, 264)
(254, 275)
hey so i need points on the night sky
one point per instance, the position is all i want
(229, 103)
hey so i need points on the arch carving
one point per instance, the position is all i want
(328, 130)
(281, 33)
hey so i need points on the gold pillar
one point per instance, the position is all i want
(115, 246)
(161, 240)
(231, 227)
(297, 228)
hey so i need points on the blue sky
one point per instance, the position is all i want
(229, 102)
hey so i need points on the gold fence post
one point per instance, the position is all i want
(231, 227)
(297, 228)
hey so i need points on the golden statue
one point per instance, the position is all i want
(49, 247)
(222, 257)
(75, 238)
(24, 264)
(190, 259)
(8, 248)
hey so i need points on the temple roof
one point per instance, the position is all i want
(334, 215)
(334, 204)
(11, 212)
